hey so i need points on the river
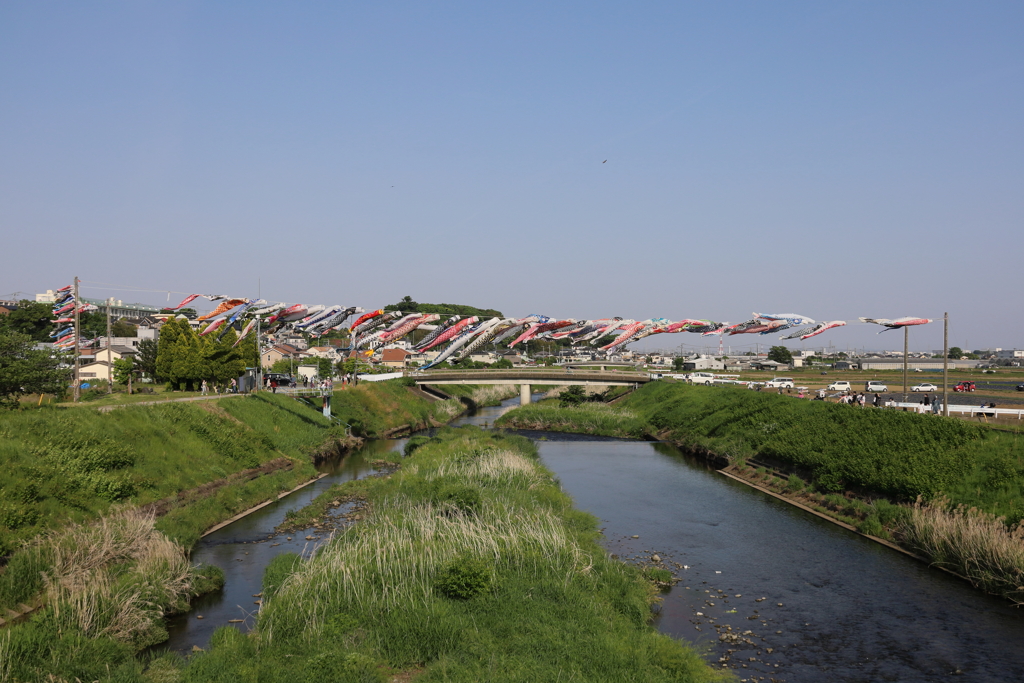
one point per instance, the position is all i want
(836, 607)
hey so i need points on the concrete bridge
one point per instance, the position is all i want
(527, 377)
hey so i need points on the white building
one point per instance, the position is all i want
(1010, 353)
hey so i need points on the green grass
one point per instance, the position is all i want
(71, 465)
(896, 454)
(512, 588)
(598, 419)
(372, 408)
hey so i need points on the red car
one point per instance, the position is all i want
(964, 386)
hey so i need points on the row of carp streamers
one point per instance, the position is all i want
(465, 334)
(65, 306)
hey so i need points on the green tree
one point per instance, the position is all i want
(30, 318)
(124, 369)
(146, 358)
(572, 397)
(123, 328)
(677, 364)
(167, 348)
(780, 354)
(283, 366)
(502, 364)
(24, 370)
(955, 352)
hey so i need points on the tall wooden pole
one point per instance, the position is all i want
(110, 361)
(906, 355)
(77, 388)
(945, 364)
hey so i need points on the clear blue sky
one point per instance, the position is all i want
(830, 159)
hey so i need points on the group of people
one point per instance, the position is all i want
(231, 388)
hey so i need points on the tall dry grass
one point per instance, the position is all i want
(448, 409)
(115, 578)
(391, 560)
(972, 543)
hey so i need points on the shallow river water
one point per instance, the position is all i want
(836, 607)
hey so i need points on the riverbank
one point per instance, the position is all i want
(869, 465)
(469, 562)
(184, 467)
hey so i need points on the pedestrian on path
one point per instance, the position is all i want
(204, 388)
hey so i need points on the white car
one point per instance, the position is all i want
(875, 385)
(779, 383)
(926, 386)
(702, 378)
(839, 385)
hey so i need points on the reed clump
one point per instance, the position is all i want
(974, 544)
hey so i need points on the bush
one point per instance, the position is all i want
(464, 578)
(413, 443)
(795, 483)
(208, 578)
(465, 499)
(339, 667)
(277, 571)
(872, 527)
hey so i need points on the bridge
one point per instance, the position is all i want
(527, 377)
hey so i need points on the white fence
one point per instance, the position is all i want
(968, 410)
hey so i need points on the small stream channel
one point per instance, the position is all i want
(851, 610)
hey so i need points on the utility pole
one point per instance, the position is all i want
(110, 360)
(906, 352)
(77, 391)
(945, 364)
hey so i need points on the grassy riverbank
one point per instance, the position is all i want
(852, 462)
(471, 564)
(72, 465)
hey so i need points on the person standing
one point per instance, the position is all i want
(204, 389)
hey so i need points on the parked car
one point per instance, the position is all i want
(876, 386)
(702, 378)
(779, 383)
(839, 385)
(964, 386)
(1020, 387)
(281, 379)
(925, 386)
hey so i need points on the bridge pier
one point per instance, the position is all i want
(525, 394)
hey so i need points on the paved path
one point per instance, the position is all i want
(107, 409)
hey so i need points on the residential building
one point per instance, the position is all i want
(1010, 353)
(394, 358)
(276, 353)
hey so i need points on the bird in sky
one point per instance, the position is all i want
(605, 161)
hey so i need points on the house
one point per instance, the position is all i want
(106, 355)
(394, 358)
(328, 352)
(95, 371)
(276, 353)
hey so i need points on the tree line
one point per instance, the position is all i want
(184, 359)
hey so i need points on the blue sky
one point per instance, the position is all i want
(830, 159)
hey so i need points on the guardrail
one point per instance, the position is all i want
(966, 410)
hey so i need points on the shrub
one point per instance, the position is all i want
(413, 443)
(795, 483)
(464, 578)
(277, 571)
(872, 527)
(465, 499)
(339, 667)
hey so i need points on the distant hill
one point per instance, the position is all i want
(407, 305)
